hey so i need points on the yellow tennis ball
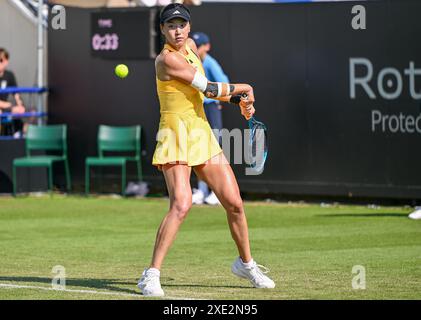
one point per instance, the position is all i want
(121, 71)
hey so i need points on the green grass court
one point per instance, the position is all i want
(105, 243)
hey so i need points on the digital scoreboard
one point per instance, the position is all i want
(123, 34)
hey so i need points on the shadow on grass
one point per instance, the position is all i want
(204, 286)
(108, 284)
(364, 215)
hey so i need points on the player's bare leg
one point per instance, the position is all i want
(218, 174)
(177, 178)
(220, 178)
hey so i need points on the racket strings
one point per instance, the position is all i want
(258, 143)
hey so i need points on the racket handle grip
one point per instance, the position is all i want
(245, 96)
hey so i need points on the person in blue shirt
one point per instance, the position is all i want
(214, 73)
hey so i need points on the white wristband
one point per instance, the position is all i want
(199, 82)
(219, 89)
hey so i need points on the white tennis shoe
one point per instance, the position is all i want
(252, 272)
(416, 215)
(197, 197)
(149, 283)
(212, 199)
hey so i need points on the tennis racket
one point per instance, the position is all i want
(257, 144)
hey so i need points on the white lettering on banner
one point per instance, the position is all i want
(412, 72)
(395, 123)
(393, 76)
(380, 78)
(363, 81)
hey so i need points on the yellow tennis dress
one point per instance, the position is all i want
(184, 134)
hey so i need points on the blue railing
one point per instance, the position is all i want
(11, 116)
(23, 115)
(12, 90)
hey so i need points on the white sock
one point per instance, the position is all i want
(154, 270)
(247, 264)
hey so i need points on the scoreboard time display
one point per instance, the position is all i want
(122, 34)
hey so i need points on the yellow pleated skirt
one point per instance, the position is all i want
(184, 138)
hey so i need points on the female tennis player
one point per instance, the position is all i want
(185, 142)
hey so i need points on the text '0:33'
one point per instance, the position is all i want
(106, 42)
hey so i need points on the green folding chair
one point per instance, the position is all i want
(44, 138)
(116, 139)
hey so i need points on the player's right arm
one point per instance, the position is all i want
(172, 66)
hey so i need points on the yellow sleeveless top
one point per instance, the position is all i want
(184, 134)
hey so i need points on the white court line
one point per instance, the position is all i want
(14, 286)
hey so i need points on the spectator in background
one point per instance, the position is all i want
(214, 73)
(9, 127)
